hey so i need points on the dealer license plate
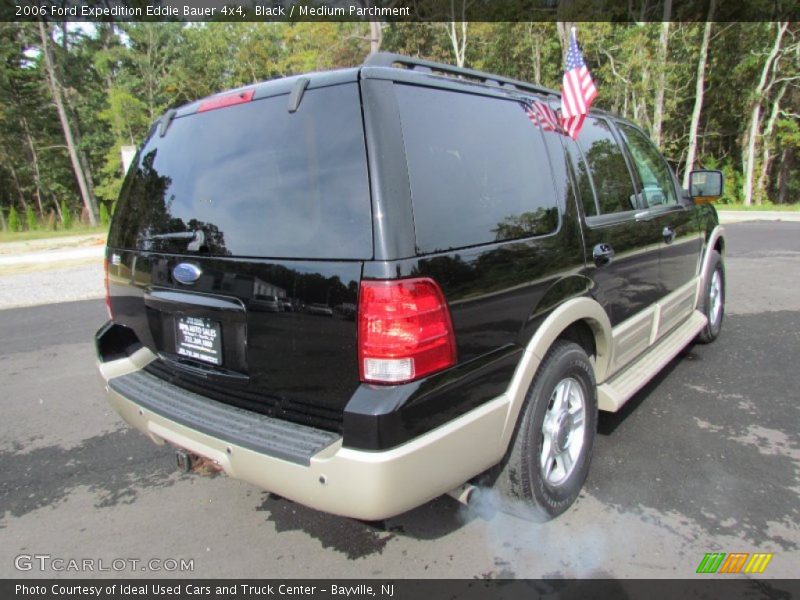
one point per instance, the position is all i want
(199, 338)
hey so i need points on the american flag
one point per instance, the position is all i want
(542, 115)
(577, 91)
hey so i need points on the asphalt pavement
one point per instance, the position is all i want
(705, 459)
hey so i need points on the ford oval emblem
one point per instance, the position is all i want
(186, 273)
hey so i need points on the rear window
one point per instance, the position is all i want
(478, 167)
(254, 180)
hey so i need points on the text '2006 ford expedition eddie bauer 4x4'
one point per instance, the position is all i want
(366, 288)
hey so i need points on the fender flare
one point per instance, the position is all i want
(584, 309)
(705, 265)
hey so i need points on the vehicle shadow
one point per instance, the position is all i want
(358, 539)
(607, 422)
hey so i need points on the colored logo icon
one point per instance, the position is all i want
(736, 562)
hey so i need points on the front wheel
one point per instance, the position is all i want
(552, 449)
(713, 300)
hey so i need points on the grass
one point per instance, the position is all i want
(43, 234)
(760, 207)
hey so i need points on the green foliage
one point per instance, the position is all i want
(50, 222)
(13, 220)
(66, 216)
(732, 179)
(30, 219)
(104, 216)
(119, 78)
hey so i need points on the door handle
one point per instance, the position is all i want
(603, 254)
(669, 234)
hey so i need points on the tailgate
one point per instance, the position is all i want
(236, 250)
(293, 357)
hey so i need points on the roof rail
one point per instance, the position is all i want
(388, 59)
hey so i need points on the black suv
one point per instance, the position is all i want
(366, 288)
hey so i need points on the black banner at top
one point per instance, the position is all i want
(630, 11)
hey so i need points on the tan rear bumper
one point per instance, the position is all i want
(354, 483)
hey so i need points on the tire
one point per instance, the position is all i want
(536, 478)
(713, 306)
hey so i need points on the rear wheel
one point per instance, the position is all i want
(552, 449)
(714, 300)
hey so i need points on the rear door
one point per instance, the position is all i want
(622, 249)
(237, 245)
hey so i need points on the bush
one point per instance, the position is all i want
(50, 222)
(104, 218)
(66, 216)
(732, 188)
(13, 220)
(30, 219)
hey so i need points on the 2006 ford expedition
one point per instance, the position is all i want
(366, 288)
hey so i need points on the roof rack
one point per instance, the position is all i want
(388, 59)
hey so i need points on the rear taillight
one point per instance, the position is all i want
(108, 295)
(404, 330)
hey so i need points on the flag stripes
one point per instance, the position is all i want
(577, 90)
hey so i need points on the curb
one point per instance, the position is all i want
(53, 257)
(740, 216)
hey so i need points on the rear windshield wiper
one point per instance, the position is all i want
(198, 238)
(178, 235)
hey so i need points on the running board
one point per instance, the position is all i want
(614, 393)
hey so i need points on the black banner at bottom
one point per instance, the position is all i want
(398, 589)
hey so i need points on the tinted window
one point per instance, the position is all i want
(584, 182)
(254, 180)
(478, 167)
(656, 179)
(609, 172)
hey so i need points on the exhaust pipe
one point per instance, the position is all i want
(466, 494)
(188, 462)
(183, 461)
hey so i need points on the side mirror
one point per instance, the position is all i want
(705, 186)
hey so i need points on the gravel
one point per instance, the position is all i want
(54, 285)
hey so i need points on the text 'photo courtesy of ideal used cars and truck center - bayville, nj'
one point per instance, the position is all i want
(425, 299)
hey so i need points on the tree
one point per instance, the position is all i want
(661, 80)
(698, 95)
(457, 31)
(683, 82)
(55, 90)
(755, 114)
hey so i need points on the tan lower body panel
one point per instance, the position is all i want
(615, 392)
(343, 481)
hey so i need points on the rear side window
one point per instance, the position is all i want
(607, 167)
(254, 180)
(478, 167)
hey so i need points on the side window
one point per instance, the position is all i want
(478, 168)
(584, 182)
(653, 171)
(607, 167)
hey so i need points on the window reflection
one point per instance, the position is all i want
(255, 180)
(653, 171)
(607, 167)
